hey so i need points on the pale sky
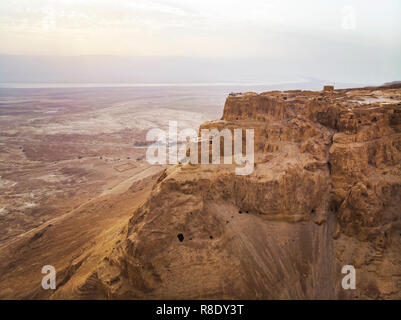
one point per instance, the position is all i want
(203, 28)
(356, 34)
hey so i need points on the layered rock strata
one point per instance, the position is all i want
(325, 192)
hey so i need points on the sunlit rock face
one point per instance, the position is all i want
(325, 192)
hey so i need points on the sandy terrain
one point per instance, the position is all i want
(80, 197)
(62, 148)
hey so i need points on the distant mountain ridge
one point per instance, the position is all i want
(124, 69)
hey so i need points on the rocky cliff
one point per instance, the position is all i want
(325, 192)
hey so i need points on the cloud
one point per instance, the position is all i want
(291, 31)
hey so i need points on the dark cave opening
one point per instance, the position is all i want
(180, 237)
(329, 165)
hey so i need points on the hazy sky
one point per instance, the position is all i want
(364, 32)
(194, 28)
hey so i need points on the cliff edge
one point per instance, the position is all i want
(325, 192)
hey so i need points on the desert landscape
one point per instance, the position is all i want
(66, 150)
(77, 193)
(60, 148)
(200, 159)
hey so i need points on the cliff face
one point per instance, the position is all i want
(325, 192)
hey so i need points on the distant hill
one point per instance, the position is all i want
(392, 83)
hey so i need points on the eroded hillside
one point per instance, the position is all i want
(325, 192)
